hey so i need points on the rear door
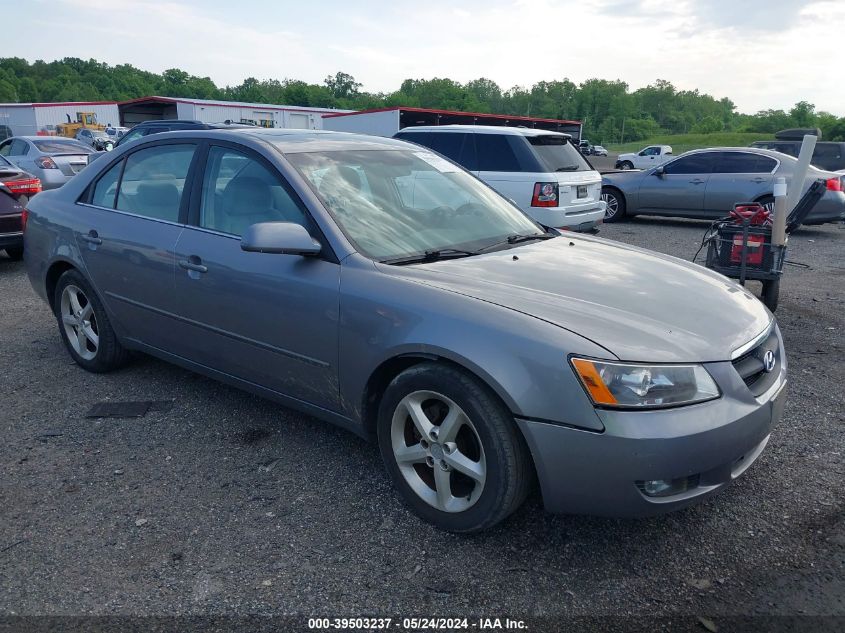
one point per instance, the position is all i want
(680, 189)
(266, 318)
(738, 177)
(126, 230)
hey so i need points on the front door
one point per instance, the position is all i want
(679, 189)
(266, 318)
(738, 177)
(126, 232)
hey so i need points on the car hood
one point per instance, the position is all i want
(638, 305)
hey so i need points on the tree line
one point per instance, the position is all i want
(611, 112)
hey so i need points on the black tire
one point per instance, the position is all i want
(615, 201)
(109, 353)
(771, 294)
(15, 253)
(506, 459)
(626, 164)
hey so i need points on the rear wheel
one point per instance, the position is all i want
(15, 253)
(615, 201)
(84, 325)
(452, 448)
(768, 203)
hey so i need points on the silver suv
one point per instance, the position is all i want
(541, 171)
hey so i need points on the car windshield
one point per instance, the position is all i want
(394, 204)
(98, 134)
(58, 146)
(556, 153)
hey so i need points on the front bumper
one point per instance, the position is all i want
(584, 472)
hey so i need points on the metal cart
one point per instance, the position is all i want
(742, 250)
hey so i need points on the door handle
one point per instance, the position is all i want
(92, 237)
(758, 180)
(193, 263)
(697, 181)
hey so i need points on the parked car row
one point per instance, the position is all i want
(403, 299)
(16, 188)
(53, 159)
(707, 183)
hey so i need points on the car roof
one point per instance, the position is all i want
(749, 150)
(291, 141)
(62, 139)
(484, 129)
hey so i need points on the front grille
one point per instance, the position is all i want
(10, 223)
(751, 366)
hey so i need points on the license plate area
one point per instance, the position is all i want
(582, 191)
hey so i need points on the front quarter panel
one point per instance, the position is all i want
(385, 314)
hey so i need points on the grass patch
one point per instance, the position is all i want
(684, 142)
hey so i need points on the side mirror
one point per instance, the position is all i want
(659, 172)
(284, 238)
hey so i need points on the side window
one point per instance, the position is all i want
(5, 148)
(694, 164)
(495, 153)
(131, 136)
(19, 148)
(743, 163)
(239, 191)
(449, 144)
(105, 191)
(154, 180)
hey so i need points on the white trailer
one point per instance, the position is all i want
(208, 111)
(31, 119)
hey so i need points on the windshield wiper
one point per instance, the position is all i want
(517, 238)
(429, 256)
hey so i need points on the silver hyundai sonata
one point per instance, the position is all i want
(377, 285)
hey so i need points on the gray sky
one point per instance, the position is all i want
(760, 53)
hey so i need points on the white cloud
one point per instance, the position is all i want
(760, 53)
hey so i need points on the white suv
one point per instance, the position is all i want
(541, 171)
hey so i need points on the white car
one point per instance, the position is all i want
(598, 150)
(646, 158)
(542, 172)
(94, 138)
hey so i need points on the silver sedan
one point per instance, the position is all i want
(376, 285)
(707, 183)
(54, 159)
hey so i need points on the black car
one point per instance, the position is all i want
(156, 126)
(828, 155)
(16, 188)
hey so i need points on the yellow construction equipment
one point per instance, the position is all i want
(83, 119)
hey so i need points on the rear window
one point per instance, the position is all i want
(62, 147)
(556, 153)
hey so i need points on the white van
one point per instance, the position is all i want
(541, 171)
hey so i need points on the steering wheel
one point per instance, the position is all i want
(471, 208)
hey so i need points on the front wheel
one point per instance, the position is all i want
(615, 209)
(771, 294)
(452, 448)
(626, 165)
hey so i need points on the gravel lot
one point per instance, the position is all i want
(229, 504)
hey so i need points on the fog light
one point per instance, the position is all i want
(667, 487)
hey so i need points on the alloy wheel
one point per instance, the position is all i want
(612, 207)
(438, 451)
(79, 322)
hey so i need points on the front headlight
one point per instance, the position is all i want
(623, 385)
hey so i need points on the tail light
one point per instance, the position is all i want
(545, 194)
(45, 162)
(834, 184)
(28, 187)
(24, 218)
